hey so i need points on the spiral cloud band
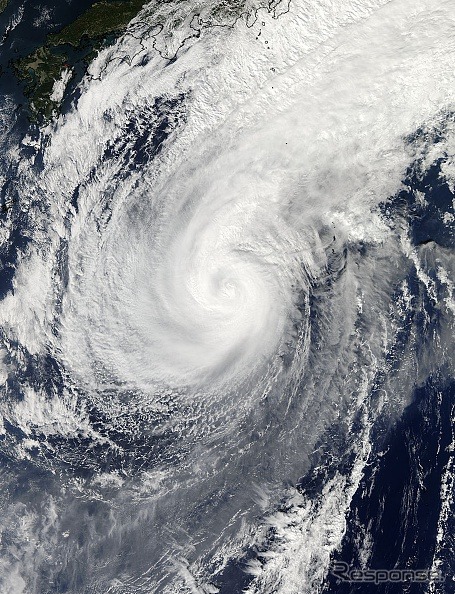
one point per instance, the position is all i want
(215, 284)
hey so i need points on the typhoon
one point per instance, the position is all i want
(227, 306)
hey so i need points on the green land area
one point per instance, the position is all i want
(75, 42)
(78, 42)
(99, 20)
(3, 5)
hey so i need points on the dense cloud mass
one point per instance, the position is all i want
(219, 286)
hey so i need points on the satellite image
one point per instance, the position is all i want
(227, 303)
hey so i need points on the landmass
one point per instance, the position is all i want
(48, 70)
(51, 64)
(99, 20)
